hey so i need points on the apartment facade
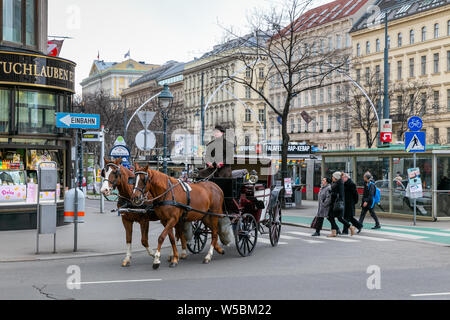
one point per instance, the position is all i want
(419, 52)
(329, 129)
(113, 77)
(227, 103)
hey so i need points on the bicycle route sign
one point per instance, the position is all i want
(415, 124)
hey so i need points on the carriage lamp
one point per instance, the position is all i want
(165, 101)
(253, 179)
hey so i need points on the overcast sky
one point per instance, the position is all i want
(154, 31)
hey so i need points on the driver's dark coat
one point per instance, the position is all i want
(220, 150)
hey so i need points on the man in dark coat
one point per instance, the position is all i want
(219, 154)
(368, 201)
(351, 199)
(338, 193)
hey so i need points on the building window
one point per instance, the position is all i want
(436, 62)
(423, 99)
(338, 122)
(367, 75)
(424, 65)
(448, 99)
(12, 20)
(436, 135)
(299, 124)
(436, 101)
(399, 40)
(424, 34)
(399, 70)
(248, 115)
(313, 97)
(262, 115)
(348, 39)
(377, 46)
(400, 103)
(358, 140)
(261, 73)
(367, 47)
(330, 121)
(448, 27)
(411, 67)
(448, 135)
(248, 93)
(321, 123)
(248, 72)
(35, 112)
(436, 30)
(358, 50)
(448, 60)
(330, 44)
(358, 75)
(411, 37)
(338, 42)
(322, 97)
(338, 93)
(330, 93)
(5, 103)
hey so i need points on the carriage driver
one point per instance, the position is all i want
(220, 153)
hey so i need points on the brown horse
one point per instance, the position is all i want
(205, 197)
(116, 176)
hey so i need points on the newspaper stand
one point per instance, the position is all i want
(46, 212)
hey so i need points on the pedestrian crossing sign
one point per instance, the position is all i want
(415, 142)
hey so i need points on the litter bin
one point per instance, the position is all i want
(298, 196)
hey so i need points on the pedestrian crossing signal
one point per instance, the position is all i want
(415, 142)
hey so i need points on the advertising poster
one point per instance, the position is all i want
(415, 189)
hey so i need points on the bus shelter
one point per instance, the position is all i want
(389, 167)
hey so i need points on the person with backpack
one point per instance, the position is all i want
(371, 197)
(351, 199)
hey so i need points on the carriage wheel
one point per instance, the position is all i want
(246, 235)
(199, 239)
(275, 224)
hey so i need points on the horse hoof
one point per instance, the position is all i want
(206, 261)
(173, 265)
(223, 252)
(156, 266)
(170, 258)
(183, 257)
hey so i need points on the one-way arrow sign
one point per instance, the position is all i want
(77, 121)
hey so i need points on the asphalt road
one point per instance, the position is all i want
(297, 269)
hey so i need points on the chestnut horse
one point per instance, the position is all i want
(116, 176)
(204, 196)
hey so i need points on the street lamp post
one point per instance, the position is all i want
(165, 101)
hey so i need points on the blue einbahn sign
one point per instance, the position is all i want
(77, 121)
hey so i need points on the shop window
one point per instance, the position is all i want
(19, 21)
(35, 112)
(5, 101)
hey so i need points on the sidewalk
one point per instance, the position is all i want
(101, 234)
(436, 232)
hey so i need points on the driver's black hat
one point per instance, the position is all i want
(220, 128)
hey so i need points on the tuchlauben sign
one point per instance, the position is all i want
(37, 70)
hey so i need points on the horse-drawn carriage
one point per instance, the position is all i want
(246, 205)
(252, 205)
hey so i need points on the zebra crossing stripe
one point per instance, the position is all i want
(267, 241)
(395, 234)
(294, 238)
(374, 239)
(332, 239)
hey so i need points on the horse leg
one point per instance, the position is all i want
(174, 260)
(162, 237)
(212, 225)
(129, 232)
(144, 237)
(184, 253)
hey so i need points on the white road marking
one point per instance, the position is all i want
(430, 294)
(267, 241)
(419, 231)
(118, 281)
(374, 239)
(326, 232)
(394, 234)
(294, 238)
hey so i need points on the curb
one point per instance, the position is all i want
(74, 256)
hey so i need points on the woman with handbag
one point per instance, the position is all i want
(337, 207)
(324, 206)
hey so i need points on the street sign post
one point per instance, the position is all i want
(77, 121)
(415, 141)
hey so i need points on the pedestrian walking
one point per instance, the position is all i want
(351, 199)
(338, 206)
(368, 203)
(324, 205)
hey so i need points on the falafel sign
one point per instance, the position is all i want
(37, 70)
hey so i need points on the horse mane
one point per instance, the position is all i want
(160, 179)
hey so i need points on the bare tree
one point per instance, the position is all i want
(294, 59)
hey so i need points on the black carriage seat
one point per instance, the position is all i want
(239, 173)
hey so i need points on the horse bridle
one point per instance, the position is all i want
(118, 174)
(142, 191)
